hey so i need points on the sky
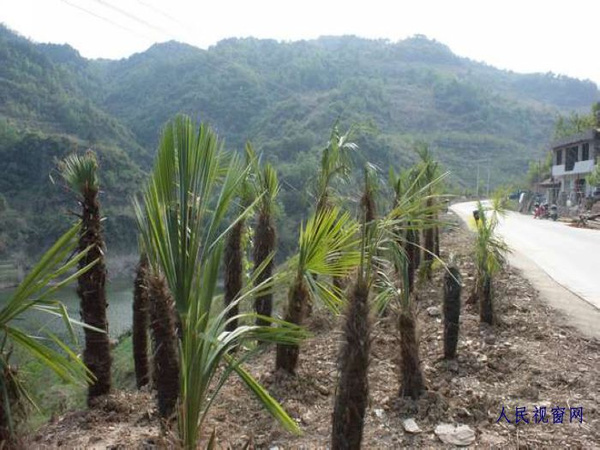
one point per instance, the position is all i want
(518, 35)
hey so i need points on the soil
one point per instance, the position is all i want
(529, 358)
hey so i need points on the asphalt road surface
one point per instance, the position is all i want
(566, 255)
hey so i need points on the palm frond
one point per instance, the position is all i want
(80, 172)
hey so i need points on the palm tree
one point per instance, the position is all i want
(353, 387)
(182, 223)
(265, 233)
(490, 251)
(430, 172)
(412, 214)
(80, 173)
(410, 189)
(336, 164)
(327, 246)
(412, 383)
(46, 278)
(165, 343)
(141, 317)
(452, 290)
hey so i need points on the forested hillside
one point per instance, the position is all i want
(284, 97)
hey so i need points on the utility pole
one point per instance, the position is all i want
(477, 187)
(488, 183)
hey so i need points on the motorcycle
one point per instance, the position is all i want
(539, 211)
(542, 211)
(553, 212)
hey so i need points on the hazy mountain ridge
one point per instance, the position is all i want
(282, 96)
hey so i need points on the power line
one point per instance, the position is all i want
(98, 16)
(166, 15)
(132, 16)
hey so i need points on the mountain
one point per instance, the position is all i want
(283, 96)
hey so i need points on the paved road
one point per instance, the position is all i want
(569, 256)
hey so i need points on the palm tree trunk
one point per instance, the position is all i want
(297, 311)
(141, 319)
(264, 245)
(452, 289)
(91, 291)
(486, 309)
(412, 252)
(233, 260)
(7, 435)
(353, 388)
(412, 383)
(436, 245)
(166, 361)
(429, 243)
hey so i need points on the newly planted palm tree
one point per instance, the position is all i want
(37, 292)
(327, 246)
(452, 290)
(80, 173)
(140, 323)
(412, 213)
(353, 387)
(336, 164)
(182, 222)
(412, 383)
(430, 172)
(490, 252)
(233, 258)
(165, 343)
(264, 233)
(415, 215)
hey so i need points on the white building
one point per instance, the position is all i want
(573, 158)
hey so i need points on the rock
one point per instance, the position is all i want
(489, 339)
(461, 435)
(322, 389)
(410, 426)
(453, 366)
(434, 311)
(379, 413)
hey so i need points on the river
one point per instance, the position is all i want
(119, 293)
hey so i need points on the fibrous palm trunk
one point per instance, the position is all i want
(486, 309)
(166, 361)
(264, 245)
(233, 260)
(297, 311)
(353, 388)
(8, 395)
(428, 243)
(412, 254)
(412, 383)
(452, 290)
(141, 324)
(91, 291)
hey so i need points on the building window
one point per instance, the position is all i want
(559, 157)
(571, 158)
(585, 152)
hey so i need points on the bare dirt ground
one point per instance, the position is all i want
(529, 359)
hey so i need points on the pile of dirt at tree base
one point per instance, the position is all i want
(528, 360)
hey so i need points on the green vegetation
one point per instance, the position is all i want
(35, 293)
(283, 96)
(80, 175)
(182, 223)
(490, 254)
